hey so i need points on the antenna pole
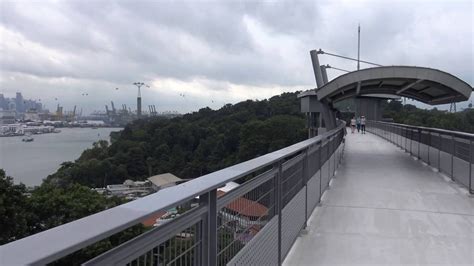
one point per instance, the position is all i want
(358, 48)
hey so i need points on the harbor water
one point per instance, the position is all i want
(31, 162)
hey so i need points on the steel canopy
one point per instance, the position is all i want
(427, 85)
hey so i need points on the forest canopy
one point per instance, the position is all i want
(189, 146)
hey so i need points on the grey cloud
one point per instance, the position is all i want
(114, 42)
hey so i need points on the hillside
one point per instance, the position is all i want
(191, 145)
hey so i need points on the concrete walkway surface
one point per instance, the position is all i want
(386, 208)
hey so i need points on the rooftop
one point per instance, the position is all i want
(164, 179)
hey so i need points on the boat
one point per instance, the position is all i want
(28, 139)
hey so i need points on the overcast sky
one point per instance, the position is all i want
(214, 52)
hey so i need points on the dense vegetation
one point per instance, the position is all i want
(411, 115)
(24, 213)
(191, 145)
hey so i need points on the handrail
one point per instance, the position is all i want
(431, 129)
(52, 244)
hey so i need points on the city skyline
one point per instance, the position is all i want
(206, 54)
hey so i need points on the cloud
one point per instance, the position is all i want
(225, 50)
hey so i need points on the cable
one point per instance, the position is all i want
(348, 58)
(340, 69)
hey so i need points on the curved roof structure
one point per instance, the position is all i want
(427, 85)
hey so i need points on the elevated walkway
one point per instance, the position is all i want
(385, 207)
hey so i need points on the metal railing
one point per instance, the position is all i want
(451, 152)
(256, 223)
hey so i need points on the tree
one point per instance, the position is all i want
(14, 210)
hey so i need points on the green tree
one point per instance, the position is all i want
(14, 210)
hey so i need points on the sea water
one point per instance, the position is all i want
(31, 162)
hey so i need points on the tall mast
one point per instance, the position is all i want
(358, 48)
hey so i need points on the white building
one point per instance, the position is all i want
(164, 181)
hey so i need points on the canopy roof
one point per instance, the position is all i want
(427, 85)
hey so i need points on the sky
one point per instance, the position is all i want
(88, 53)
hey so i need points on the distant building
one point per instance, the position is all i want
(3, 102)
(19, 102)
(7, 117)
(164, 181)
(31, 115)
(129, 189)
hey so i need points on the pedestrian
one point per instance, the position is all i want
(362, 124)
(358, 124)
(353, 124)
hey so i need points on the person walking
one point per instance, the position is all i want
(358, 124)
(362, 124)
(353, 124)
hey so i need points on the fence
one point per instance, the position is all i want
(255, 223)
(451, 152)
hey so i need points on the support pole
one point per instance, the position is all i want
(325, 74)
(317, 68)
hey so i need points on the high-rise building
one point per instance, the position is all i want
(3, 102)
(19, 102)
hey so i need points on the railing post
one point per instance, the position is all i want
(320, 170)
(429, 145)
(305, 182)
(391, 133)
(329, 160)
(209, 232)
(471, 159)
(419, 143)
(452, 156)
(439, 153)
(400, 136)
(406, 140)
(411, 141)
(334, 153)
(279, 207)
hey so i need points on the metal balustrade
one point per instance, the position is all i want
(255, 223)
(451, 152)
